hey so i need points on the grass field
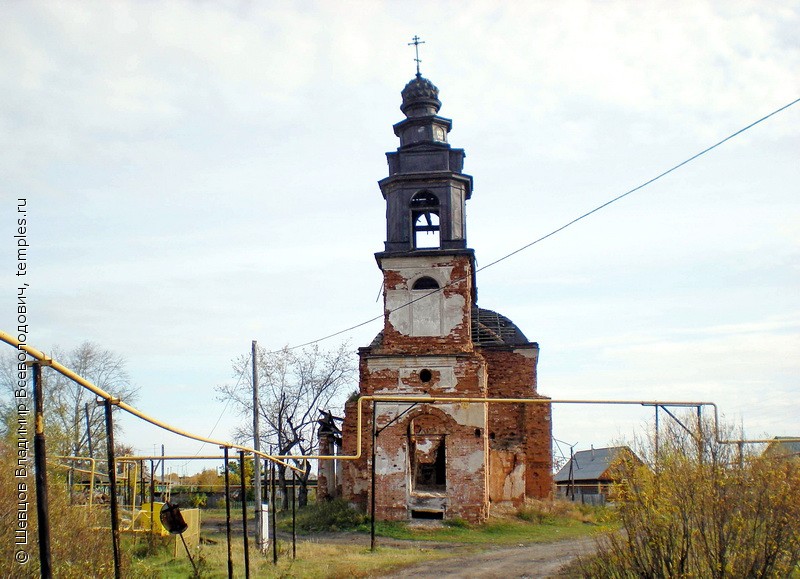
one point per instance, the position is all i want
(346, 553)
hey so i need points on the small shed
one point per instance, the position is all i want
(587, 477)
(784, 447)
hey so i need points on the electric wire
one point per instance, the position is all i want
(221, 414)
(553, 232)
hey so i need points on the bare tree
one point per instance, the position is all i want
(72, 416)
(293, 386)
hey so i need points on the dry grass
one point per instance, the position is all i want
(314, 559)
(79, 547)
(547, 512)
(331, 555)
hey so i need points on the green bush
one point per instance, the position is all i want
(199, 500)
(322, 516)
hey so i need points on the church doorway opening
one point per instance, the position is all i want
(428, 463)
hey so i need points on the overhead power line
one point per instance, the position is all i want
(561, 228)
(643, 185)
(221, 414)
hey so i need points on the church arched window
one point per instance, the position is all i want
(425, 283)
(425, 220)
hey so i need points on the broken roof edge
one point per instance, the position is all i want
(489, 329)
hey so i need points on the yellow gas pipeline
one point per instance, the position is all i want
(31, 351)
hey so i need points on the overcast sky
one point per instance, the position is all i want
(203, 174)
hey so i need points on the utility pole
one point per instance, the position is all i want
(256, 458)
(40, 466)
(112, 487)
(571, 485)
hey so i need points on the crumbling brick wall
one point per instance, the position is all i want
(462, 427)
(457, 299)
(408, 482)
(448, 460)
(520, 435)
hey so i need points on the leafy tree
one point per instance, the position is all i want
(234, 473)
(207, 480)
(703, 509)
(293, 386)
(66, 403)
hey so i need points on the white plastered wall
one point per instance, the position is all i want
(430, 314)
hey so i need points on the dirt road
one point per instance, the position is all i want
(527, 561)
(531, 560)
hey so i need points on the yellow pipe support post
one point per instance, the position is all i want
(131, 484)
(92, 473)
(75, 468)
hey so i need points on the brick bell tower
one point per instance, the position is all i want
(426, 241)
(441, 460)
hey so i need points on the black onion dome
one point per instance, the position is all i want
(420, 97)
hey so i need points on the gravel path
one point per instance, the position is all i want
(526, 561)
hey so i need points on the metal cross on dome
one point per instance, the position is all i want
(416, 44)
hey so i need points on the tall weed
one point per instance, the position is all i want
(79, 546)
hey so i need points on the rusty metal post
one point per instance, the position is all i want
(701, 446)
(243, 491)
(112, 485)
(71, 478)
(152, 502)
(228, 514)
(163, 480)
(656, 443)
(571, 484)
(294, 514)
(272, 512)
(40, 466)
(126, 483)
(372, 473)
(141, 483)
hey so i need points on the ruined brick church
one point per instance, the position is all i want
(439, 460)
